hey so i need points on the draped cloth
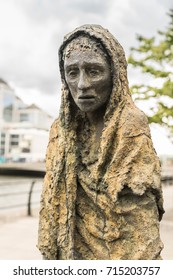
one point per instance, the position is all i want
(105, 204)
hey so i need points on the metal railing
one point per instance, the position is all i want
(167, 180)
(25, 193)
(20, 194)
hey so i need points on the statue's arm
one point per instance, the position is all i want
(141, 228)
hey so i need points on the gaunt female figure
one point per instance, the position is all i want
(102, 196)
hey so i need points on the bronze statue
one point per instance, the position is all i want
(102, 196)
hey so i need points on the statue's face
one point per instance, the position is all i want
(88, 75)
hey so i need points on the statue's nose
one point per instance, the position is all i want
(83, 82)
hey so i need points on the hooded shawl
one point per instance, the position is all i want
(108, 207)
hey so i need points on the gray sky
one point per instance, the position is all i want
(31, 32)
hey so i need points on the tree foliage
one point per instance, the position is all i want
(154, 57)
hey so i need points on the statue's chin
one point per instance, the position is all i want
(89, 106)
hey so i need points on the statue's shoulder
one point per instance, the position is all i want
(54, 129)
(137, 115)
(134, 121)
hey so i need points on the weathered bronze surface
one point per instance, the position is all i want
(102, 196)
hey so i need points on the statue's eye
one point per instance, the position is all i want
(72, 73)
(93, 72)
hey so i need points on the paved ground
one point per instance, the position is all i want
(167, 223)
(18, 237)
(167, 238)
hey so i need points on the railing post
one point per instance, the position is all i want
(29, 198)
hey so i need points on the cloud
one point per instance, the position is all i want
(32, 31)
(31, 34)
(166, 3)
(45, 101)
(46, 9)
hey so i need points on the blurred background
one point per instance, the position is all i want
(31, 33)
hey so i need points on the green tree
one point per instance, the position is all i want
(154, 57)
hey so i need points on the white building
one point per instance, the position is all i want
(23, 128)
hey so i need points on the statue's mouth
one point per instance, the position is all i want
(86, 97)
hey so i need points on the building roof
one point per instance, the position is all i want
(3, 82)
(34, 106)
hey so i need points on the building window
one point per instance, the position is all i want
(26, 150)
(8, 101)
(24, 117)
(2, 143)
(14, 140)
(2, 138)
(7, 114)
(14, 143)
(2, 151)
(14, 136)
